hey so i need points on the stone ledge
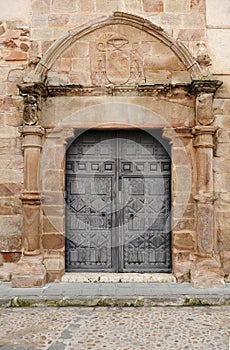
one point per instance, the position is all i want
(93, 277)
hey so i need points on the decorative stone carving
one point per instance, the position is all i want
(30, 113)
(203, 58)
(204, 109)
(118, 61)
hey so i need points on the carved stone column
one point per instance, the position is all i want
(206, 271)
(30, 271)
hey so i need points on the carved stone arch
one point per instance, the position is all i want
(185, 110)
(118, 18)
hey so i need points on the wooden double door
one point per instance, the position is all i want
(118, 203)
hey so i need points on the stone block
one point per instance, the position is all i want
(183, 240)
(198, 6)
(10, 189)
(182, 178)
(194, 20)
(53, 156)
(133, 6)
(221, 106)
(106, 5)
(6, 271)
(183, 224)
(53, 241)
(225, 258)
(53, 181)
(12, 34)
(219, 50)
(224, 136)
(11, 243)
(158, 76)
(14, 175)
(11, 257)
(222, 182)
(191, 34)
(12, 9)
(29, 273)
(43, 34)
(54, 263)
(182, 266)
(53, 224)
(218, 16)
(53, 198)
(41, 6)
(223, 150)
(39, 20)
(224, 90)
(78, 50)
(2, 29)
(63, 6)
(207, 273)
(223, 235)
(222, 121)
(221, 165)
(53, 210)
(58, 20)
(10, 226)
(172, 19)
(86, 6)
(79, 64)
(10, 206)
(180, 156)
(177, 6)
(183, 210)
(16, 56)
(153, 6)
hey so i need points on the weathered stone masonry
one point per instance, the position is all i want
(76, 86)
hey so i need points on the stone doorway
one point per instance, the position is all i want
(118, 202)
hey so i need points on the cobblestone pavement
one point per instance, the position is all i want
(75, 328)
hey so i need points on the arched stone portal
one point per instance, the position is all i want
(122, 72)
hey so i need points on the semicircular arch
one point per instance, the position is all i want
(118, 18)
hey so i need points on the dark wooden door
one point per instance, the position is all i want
(118, 203)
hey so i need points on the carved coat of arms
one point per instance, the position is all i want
(117, 61)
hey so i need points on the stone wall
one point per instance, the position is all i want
(27, 31)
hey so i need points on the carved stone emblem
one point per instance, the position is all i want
(204, 110)
(30, 113)
(117, 61)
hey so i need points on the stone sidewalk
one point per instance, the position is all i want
(104, 328)
(113, 294)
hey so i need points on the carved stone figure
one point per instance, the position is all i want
(30, 113)
(203, 58)
(204, 110)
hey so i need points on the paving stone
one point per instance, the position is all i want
(100, 328)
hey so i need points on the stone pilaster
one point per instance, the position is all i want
(206, 271)
(30, 271)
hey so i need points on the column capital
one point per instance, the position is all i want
(31, 130)
(204, 130)
(201, 86)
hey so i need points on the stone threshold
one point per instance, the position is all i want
(107, 277)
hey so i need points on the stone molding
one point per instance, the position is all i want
(199, 86)
(204, 136)
(117, 18)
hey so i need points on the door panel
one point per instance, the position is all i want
(118, 203)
